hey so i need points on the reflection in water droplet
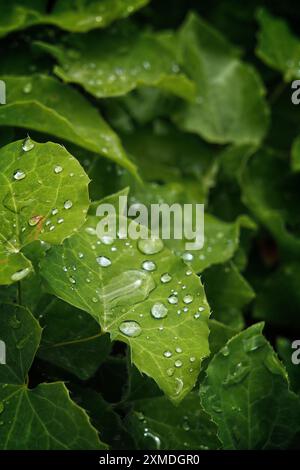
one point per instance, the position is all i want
(27, 88)
(19, 175)
(188, 299)
(68, 204)
(150, 246)
(58, 169)
(91, 231)
(178, 350)
(72, 280)
(54, 211)
(27, 144)
(149, 265)
(60, 221)
(107, 239)
(130, 328)
(154, 438)
(158, 310)
(225, 351)
(34, 220)
(172, 299)
(179, 386)
(178, 363)
(167, 354)
(19, 275)
(103, 261)
(170, 372)
(165, 278)
(187, 256)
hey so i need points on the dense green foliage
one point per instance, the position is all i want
(127, 345)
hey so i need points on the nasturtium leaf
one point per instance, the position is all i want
(44, 196)
(277, 45)
(71, 339)
(278, 297)
(44, 104)
(113, 63)
(40, 418)
(152, 302)
(246, 392)
(157, 424)
(66, 14)
(271, 191)
(228, 292)
(230, 105)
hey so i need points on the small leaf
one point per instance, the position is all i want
(56, 109)
(246, 393)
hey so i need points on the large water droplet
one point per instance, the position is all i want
(68, 204)
(149, 265)
(239, 373)
(130, 328)
(170, 372)
(27, 144)
(107, 240)
(19, 275)
(128, 287)
(178, 363)
(150, 246)
(159, 310)
(165, 278)
(103, 261)
(19, 175)
(154, 438)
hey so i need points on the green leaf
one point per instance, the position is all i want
(121, 294)
(277, 46)
(116, 62)
(221, 240)
(157, 424)
(230, 105)
(40, 418)
(46, 105)
(44, 196)
(270, 191)
(71, 339)
(66, 14)
(295, 154)
(246, 393)
(228, 293)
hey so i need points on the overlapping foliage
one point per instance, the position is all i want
(123, 344)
